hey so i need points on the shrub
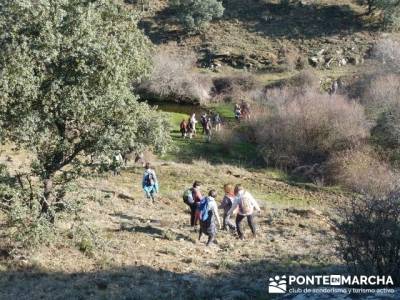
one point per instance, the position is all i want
(233, 88)
(307, 128)
(305, 80)
(173, 78)
(387, 130)
(370, 235)
(361, 171)
(196, 14)
(387, 52)
(380, 94)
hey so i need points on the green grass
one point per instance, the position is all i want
(241, 154)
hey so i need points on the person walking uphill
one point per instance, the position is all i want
(246, 203)
(208, 217)
(226, 205)
(192, 198)
(150, 182)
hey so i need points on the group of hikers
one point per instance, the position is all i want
(211, 121)
(208, 123)
(204, 209)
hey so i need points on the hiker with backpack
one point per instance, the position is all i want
(246, 204)
(208, 217)
(226, 205)
(150, 182)
(217, 122)
(183, 128)
(238, 112)
(192, 198)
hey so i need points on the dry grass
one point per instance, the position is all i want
(362, 171)
(148, 250)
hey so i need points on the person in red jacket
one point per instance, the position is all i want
(184, 128)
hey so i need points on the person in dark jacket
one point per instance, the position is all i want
(194, 204)
(226, 205)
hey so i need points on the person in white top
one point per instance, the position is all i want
(247, 204)
(209, 216)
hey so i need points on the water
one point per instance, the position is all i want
(187, 109)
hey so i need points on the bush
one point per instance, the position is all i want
(233, 88)
(305, 80)
(173, 78)
(370, 235)
(387, 130)
(307, 128)
(380, 94)
(361, 171)
(195, 14)
(387, 53)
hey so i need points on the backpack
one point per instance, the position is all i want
(203, 208)
(245, 205)
(188, 196)
(149, 179)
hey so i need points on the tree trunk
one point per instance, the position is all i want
(47, 199)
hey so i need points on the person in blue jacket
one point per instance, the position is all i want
(150, 182)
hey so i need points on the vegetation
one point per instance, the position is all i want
(66, 69)
(370, 235)
(173, 79)
(319, 151)
(195, 14)
(300, 129)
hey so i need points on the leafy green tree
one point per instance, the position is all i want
(195, 14)
(66, 69)
(390, 11)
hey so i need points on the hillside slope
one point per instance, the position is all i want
(122, 246)
(262, 35)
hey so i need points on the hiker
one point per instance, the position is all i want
(208, 215)
(246, 203)
(217, 122)
(238, 112)
(150, 182)
(184, 128)
(334, 87)
(192, 125)
(203, 122)
(116, 164)
(192, 198)
(245, 110)
(226, 205)
(208, 130)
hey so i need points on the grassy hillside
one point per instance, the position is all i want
(267, 36)
(112, 243)
(121, 246)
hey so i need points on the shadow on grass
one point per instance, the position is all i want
(240, 154)
(274, 20)
(241, 280)
(296, 20)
